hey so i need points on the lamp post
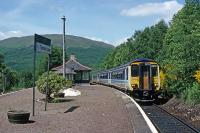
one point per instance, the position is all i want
(64, 67)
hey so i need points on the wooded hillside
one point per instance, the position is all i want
(176, 46)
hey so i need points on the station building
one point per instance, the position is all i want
(75, 71)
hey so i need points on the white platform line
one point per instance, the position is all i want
(148, 121)
(14, 92)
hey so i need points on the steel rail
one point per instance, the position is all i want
(157, 127)
(184, 123)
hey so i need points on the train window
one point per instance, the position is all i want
(104, 76)
(134, 70)
(154, 71)
(145, 70)
(127, 74)
(114, 74)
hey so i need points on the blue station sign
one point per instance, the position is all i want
(42, 44)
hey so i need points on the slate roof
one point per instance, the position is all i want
(72, 66)
(76, 66)
(60, 70)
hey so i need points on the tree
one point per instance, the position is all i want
(143, 44)
(8, 77)
(149, 43)
(26, 79)
(56, 57)
(2, 65)
(55, 60)
(56, 83)
(182, 47)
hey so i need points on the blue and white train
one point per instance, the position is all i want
(139, 77)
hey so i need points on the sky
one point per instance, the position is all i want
(110, 21)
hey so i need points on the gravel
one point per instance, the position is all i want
(97, 110)
(188, 113)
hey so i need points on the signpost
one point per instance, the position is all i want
(64, 67)
(41, 44)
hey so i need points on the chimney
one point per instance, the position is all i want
(72, 57)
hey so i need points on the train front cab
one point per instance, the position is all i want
(145, 81)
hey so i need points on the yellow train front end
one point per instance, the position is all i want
(144, 79)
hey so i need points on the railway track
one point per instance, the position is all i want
(163, 120)
(166, 122)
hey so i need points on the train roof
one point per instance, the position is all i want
(143, 60)
(129, 63)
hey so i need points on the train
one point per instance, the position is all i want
(140, 78)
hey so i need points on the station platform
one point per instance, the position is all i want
(99, 109)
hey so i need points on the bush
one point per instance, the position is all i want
(56, 83)
(162, 79)
(197, 76)
(192, 95)
(8, 78)
(69, 84)
(26, 79)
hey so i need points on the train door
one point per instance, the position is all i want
(145, 80)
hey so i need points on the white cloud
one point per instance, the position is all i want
(120, 41)
(8, 34)
(13, 21)
(165, 10)
(114, 43)
(98, 39)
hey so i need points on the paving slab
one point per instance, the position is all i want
(99, 109)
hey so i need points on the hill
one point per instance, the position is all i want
(18, 51)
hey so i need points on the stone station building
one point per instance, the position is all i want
(75, 71)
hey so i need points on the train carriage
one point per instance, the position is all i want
(139, 77)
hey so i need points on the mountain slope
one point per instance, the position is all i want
(18, 51)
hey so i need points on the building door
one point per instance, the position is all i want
(78, 77)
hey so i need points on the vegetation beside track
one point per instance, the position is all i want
(176, 46)
(188, 113)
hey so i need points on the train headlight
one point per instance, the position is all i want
(134, 86)
(156, 85)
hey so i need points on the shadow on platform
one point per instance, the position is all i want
(71, 109)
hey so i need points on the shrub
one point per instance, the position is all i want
(56, 83)
(197, 76)
(192, 94)
(162, 79)
(26, 79)
(69, 84)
